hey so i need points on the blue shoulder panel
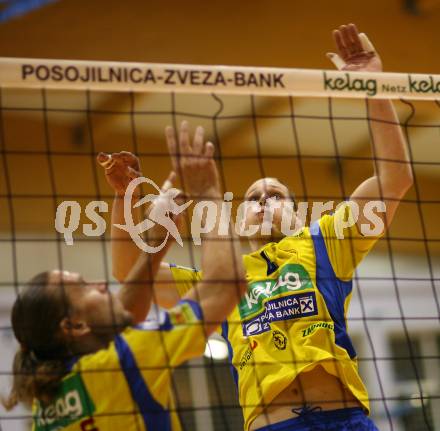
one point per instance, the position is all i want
(333, 290)
(155, 416)
(195, 306)
(225, 333)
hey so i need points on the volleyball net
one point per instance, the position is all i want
(309, 128)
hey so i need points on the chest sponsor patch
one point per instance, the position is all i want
(71, 404)
(285, 308)
(292, 278)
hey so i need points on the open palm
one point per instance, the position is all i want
(355, 51)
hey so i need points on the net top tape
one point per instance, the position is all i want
(152, 77)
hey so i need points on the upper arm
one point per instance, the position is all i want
(345, 245)
(166, 293)
(377, 201)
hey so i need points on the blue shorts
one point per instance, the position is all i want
(352, 419)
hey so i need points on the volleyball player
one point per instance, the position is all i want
(84, 364)
(294, 363)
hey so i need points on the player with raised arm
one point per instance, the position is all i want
(88, 360)
(301, 371)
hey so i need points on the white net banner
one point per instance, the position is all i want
(144, 77)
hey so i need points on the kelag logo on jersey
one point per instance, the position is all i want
(71, 404)
(257, 302)
(292, 278)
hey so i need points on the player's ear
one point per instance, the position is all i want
(74, 327)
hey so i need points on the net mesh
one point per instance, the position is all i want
(319, 146)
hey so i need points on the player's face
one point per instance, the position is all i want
(271, 196)
(92, 302)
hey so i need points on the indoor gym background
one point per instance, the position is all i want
(278, 34)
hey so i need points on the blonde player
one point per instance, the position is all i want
(294, 363)
(83, 362)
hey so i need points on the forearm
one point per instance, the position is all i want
(137, 292)
(392, 164)
(392, 170)
(221, 255)
(124, 251)
(223, 276)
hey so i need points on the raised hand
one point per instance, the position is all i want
(194, 162)
(120, 169)
(163, 216)
(355, 51)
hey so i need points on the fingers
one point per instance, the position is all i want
(120, 163)
(336, 60)
(198, 142)
(106, 160)
(209, 150)
(184, 142)
(130, 159)
(172, 146)
(133, 173)
(348, 41)
(354, 37)
(340, 44)
(116, 165)
(183, 147)
(102, 157)
(366, 44)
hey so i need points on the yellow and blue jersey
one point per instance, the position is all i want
(127, 386)
(293, 316)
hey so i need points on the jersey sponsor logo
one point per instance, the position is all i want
(247, 355)
(312, 328)
(306, 304)
(279, 340)
(71, 404)
(285, 308)
(293, 277)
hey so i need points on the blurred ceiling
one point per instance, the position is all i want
(285, 33)
(252, 33)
